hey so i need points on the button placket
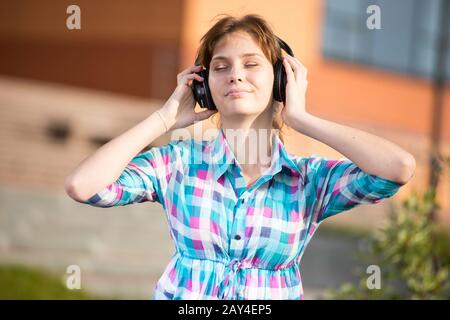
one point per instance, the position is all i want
(239, 218)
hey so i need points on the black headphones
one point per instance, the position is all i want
(202, 94)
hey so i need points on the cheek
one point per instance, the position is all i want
(263, 79)
(265, 86)
(214, 86)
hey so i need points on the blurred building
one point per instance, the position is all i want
(376, 80)
(63, 93)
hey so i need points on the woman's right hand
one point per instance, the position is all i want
(178, 111)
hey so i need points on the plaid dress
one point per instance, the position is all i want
(233, 241)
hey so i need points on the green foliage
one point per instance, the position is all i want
(412, 254)
(20, 283)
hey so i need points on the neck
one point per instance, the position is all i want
(250, 138)
(252, 146)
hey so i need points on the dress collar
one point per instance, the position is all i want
(220, 156)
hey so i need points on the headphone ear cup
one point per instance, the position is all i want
(279, 84)
(201, 92)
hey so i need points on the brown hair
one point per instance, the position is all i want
(261, 32)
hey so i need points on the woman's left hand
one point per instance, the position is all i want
(294, 109)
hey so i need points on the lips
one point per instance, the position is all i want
(236, 92)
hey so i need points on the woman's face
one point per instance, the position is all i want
(239, 63)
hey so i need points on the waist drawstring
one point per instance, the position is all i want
(227, 287)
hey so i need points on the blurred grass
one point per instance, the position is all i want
(31, 283)
(443, 245)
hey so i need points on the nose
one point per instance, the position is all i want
(235, 75)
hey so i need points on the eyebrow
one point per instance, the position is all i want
(250, 54)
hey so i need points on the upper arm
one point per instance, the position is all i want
(339, 185)
(145, 178)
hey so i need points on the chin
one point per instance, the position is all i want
(240, 109)
(240, 106)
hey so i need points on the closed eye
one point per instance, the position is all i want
(247, 65)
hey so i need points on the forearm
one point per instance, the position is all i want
(105, 165)
(371, 153)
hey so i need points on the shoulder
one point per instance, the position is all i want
(172, 151)
(189, 146)
(306, 163)
(316, 162)
(316, 166)
(184, 150)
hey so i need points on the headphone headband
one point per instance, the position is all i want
(202, 93)
(285, 46)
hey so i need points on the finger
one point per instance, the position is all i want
(302, 68)
(185, 79)
(289, 72)
(188, 71)
(295, 66)
(194, 76)
(191, 69)
(204, 114)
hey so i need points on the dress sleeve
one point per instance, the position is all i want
(145, 178)
(340, 185)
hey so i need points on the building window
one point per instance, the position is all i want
(406, 43)
(58, 130)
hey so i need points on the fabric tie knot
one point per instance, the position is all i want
(227, 288)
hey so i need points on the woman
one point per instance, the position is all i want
(239, 227)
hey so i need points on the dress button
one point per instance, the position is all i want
(237, 237)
